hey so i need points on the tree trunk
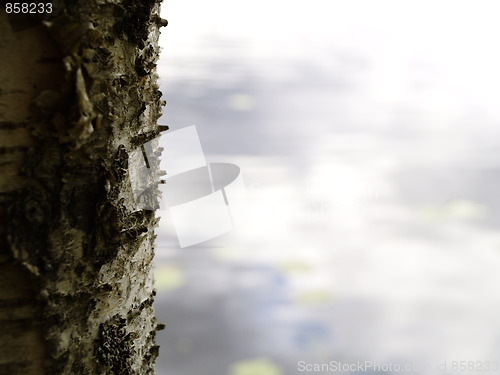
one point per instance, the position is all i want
(78, 94)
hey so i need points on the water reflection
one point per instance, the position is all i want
(371, 160)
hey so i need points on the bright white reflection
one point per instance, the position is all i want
(371, 163)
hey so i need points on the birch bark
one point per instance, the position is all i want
(78, 93)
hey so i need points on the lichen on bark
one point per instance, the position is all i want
(78, 92)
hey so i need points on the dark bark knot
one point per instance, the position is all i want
(34, 212)
(28, 224)
(32, 205)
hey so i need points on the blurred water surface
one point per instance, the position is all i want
(368, 134)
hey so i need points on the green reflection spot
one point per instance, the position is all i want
(259, 366)
(456, 210)
(241, 102)
(169, 277)
(295, 267)
(314, 297)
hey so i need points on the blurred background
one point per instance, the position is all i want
(368, 136)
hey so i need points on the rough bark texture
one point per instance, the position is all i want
(78, 93)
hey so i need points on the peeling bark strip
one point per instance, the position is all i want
(78, 93)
